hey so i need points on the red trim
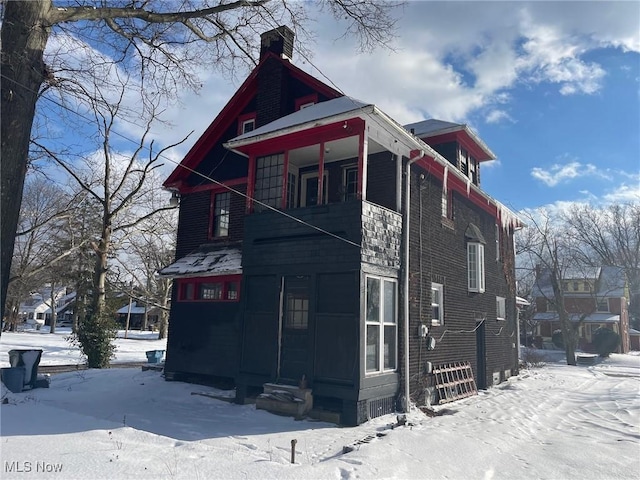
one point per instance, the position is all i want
(464, 140)
(230, 112)
(225, 280)
(285, 183)
(251, 183)
(244, 118)
(321, 174)
(216, 187)
(303, 138)
(456, 184)
(360, 166)
(313, 98)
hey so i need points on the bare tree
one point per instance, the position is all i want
(151, 248)
(46, 209)
(610, 236)
(119, 184)
(546, 251)
(162, 40)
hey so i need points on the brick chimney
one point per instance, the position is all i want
(278, 41)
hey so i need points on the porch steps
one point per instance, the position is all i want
(285, 400)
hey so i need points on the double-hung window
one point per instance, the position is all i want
(475, 267)
(381, 325)
(437, 304)
(221, 214)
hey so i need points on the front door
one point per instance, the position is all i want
(294, 333)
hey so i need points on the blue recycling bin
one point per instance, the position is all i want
(13, 378)
(29, 360)
(154, 356)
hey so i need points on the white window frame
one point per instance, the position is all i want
(475, 267)
(382, 325)
(439, 288)
(501, 308)
(246, 123)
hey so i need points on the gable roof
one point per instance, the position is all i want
(611, 281)
(230, 112)
(316, 112)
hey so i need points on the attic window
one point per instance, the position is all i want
(306, 101)
(246, 123)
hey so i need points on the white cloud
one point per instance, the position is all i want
(560, 173)
(497, 116)
(623, 194)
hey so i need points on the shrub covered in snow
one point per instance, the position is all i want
(605, 341)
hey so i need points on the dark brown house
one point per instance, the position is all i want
(321, 243)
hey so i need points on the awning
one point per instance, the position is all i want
(205, 262)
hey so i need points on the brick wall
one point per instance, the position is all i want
(438, 254)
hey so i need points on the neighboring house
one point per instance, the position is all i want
(292, 266)
(593, 297)
(36, 309)
(136, 312)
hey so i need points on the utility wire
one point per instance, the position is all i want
(216, 182)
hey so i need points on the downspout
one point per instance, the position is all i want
(406, 227)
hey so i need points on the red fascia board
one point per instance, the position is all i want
(457, 184)
(231, 111)
(463, 139)
(304, 138)
(215, 187)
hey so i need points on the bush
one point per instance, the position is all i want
(532, 358)
(95, 337)
(605, 341)
(558, 339)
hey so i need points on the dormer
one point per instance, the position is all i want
(456, 142)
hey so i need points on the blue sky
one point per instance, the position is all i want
(552, 87)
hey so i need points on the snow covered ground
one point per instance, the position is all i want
(553, 422)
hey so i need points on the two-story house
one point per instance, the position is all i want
(594, 297)
(321, 243)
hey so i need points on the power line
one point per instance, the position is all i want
(216, 182)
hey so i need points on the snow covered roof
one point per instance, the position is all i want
(433, 127)
(611, 281)
(313, 113)
(208, 260)
(135, 309)
(574, 317)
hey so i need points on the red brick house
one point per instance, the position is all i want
(594, 297)
(320, 243)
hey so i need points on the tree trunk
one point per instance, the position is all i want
(52, 328)
(24, 36)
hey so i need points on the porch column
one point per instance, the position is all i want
(251, 182)
(362, 165)
(285, 183)
(320, 174)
